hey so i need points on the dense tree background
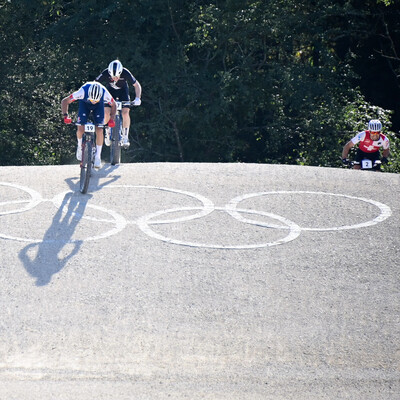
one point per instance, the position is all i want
(264, 81)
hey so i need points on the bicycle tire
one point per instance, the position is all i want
(115, 151)
(86, 166)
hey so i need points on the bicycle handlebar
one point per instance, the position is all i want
(125, 102)
(88, 122)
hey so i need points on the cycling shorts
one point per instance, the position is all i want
(361, 155)
(119, 95)
(85, 109)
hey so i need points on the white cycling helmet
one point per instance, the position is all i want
(115, 69)
(374, 125)
(95, 92)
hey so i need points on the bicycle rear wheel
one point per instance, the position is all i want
(86, 166)
(115, 151)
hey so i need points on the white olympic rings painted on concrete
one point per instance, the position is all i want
(207, 208)
(145, 221)
(208, 205)
(36, 198)
(385, 210)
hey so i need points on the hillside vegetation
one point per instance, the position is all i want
(261, 81)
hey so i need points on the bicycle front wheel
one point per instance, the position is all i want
(86, 166)
(115, 151)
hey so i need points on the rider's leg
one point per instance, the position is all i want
(126, 118)
(359, 156)
(99, 136)
(79, 133)
(83, 112)
(99, 143)
(107, 111)
(126, 123)
(99, 113)
(99, 146)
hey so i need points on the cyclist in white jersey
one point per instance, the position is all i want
(116, 78)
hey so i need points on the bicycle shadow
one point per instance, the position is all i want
(42, 260)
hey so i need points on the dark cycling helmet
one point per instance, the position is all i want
(374, 125)
(94, 92)
(115, 69)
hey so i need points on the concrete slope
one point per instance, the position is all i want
(199, 281)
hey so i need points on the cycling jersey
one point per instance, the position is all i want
(119, 90)
(86, 106)
(367, 145)
(122, 82)
(82, 94)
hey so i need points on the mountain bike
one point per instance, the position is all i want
(116, 134)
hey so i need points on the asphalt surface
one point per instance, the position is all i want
(199, 281)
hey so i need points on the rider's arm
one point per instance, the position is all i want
(347, 148)
(66, 101)
(102, 77)
(110, 100)
(79, 94)
(386, 152)
(138, 89)
(135, 83)
(113, 109)
(386, 148)
(352, 142)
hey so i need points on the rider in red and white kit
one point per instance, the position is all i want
(369, 143)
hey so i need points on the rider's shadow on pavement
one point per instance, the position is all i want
(44, 259)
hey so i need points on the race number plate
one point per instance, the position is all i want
(90, 128)
(366, 164)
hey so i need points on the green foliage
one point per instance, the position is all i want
(223, 81)
(387, 2)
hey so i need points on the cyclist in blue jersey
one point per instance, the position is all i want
(91, 97)
(117, 79)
